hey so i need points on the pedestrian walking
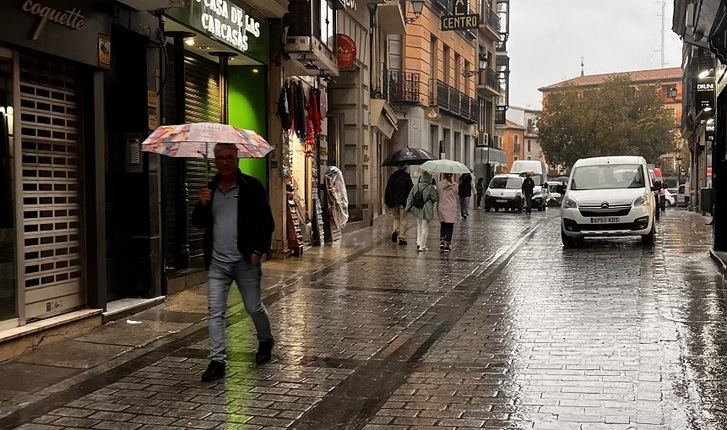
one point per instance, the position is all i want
(421, 203)
(395, 196)
(528, 189)
(238, 224)
(465, 192)
(447, 211)
(662, 197)
(480, 189)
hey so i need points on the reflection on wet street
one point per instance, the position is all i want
(508, 331)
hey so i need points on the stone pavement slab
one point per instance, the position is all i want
(508, 331)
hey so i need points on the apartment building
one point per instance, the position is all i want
(446, 86)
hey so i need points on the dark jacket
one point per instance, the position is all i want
(255, 222)
(397, 189)
(528, 186)
(465, 186)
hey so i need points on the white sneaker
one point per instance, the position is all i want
(424, 248)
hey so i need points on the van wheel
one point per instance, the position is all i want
(487, 208)
(568, 242)
(648, 239)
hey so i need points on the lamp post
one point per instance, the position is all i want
(418, 6)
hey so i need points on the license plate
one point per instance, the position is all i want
(606, 220)
(501, 201)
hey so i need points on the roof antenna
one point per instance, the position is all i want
(583, 70)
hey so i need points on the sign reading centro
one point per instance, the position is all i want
(227, 22)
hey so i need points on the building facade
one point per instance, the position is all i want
(513, 144)
(445, 85)
(701, 24)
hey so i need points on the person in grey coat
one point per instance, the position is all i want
(421, 203)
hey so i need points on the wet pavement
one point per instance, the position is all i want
(508, 331)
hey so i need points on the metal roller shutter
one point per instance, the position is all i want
(203, 104)
(169, 168)
(49, 109)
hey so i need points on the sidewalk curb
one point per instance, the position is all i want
(721, 264)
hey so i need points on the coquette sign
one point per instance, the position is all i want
(224, 21)
(70, 18)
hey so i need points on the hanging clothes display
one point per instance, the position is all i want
(283, 108)
(337, 197)
(300, 124)
(314, 109)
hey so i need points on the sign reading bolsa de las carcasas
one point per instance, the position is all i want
(461, 19)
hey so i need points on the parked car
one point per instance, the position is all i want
(670, 198)
(504, 191)
(609, 196)
(683, 195)
(555, 197)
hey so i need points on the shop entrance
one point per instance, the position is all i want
(51, 188)
(8, 290)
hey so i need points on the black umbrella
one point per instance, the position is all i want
(408, 156)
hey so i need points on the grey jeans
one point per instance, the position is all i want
(247, 276)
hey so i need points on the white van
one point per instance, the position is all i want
(535, 168)
(608, 196)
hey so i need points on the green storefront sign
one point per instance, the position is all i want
(227, 23)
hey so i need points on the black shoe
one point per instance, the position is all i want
(264, 351)
(394, 236)
(215, 370)
(447, 248)
(402, 242)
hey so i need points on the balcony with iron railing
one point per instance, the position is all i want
(401, 87)
(487, 83)
(489, 23)
(456, 103)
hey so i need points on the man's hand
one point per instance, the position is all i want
(205, 195)
(256, 258)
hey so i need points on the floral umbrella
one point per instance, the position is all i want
(198, 140)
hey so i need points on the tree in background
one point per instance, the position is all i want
(616, 118)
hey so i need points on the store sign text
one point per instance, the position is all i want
(68, 18)
(228, 23)
(461, 19)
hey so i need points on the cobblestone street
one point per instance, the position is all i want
(508, 331)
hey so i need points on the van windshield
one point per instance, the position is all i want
(608, 177)
(511, 183)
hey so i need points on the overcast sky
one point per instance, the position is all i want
(548, 38)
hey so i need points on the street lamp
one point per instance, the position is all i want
(418, 6)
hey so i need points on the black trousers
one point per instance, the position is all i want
(446, 231)
(479, 200)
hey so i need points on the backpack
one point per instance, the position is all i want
(418, 200)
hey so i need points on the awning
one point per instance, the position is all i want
(390, 18)
(383, 117)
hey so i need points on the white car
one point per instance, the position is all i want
(608, 196)
(670, 198)
(504, 191)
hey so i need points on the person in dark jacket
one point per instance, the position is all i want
(465, 192)
(395, 196)
(528, 189)
(238, 226)
(480, 189)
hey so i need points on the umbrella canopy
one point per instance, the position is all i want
(445, 166)
(408, 156)
(198, 140)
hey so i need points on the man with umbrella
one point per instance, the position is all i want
(395, 196)
(238, 225)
